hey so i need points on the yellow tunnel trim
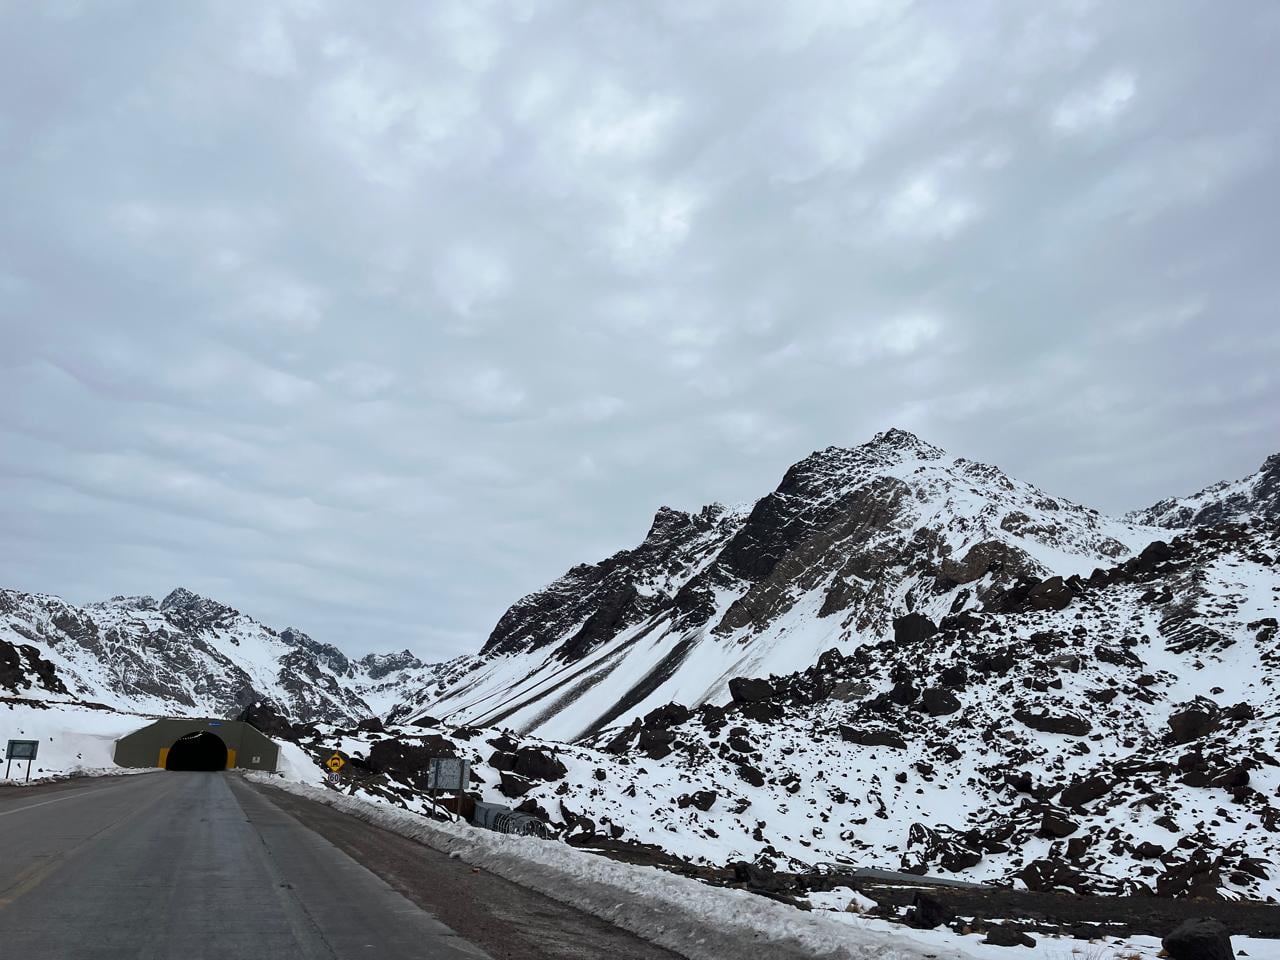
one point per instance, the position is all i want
(231, 758)
(164, 758)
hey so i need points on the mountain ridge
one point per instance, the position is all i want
(816, 549)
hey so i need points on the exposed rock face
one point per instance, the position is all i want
(887, 538)
(598, 600)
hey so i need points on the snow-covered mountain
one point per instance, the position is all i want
(1229, 501)
(190, 655)
(1110, 730)
(850, 540)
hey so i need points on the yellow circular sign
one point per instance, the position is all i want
(335, 763)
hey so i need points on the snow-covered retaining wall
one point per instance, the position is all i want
(699, 922)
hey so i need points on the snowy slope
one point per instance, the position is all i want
(849, 540)
(185, 654)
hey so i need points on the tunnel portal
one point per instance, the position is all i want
(197, 751)
(198, 743)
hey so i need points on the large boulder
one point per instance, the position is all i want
(1002, 935)
(872, 738)
(538, 765)
(1051, 594)
(1046, 722)
(913, 628)
(1054, 826)
(1199, 939)
(927, 912)
(1198, 720)
(699, 799)
(670, 715)
(939, 701)
(1080, 792)
(656, 744)
(750, 690)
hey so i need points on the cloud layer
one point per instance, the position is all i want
(368, 319)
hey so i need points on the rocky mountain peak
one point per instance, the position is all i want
(191, 611)
(1256, 496)
(179, 597)
(379, 665)
(901, 443)
(335, 659)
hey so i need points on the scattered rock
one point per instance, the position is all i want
(699, 799)
(872, 738)
(1056, 827)
(1002, 935)
(1046, 722)
(1080, 792)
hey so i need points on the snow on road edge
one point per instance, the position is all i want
(697, 921)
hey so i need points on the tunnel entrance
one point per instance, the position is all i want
(197, 751)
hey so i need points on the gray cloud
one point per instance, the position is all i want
(370, 319)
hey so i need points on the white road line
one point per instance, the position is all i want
(45, 803)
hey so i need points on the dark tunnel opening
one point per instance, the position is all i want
(197, 751)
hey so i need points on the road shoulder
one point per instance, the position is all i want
(503, 918)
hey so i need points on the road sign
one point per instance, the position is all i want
(336, 762)
(21, 750)
(448, 773)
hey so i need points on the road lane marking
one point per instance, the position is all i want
(42, 803)
(29, 879)
(59, 799)
(37, 873)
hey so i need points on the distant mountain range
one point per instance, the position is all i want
(190, 655)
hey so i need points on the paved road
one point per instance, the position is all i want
(195, 866)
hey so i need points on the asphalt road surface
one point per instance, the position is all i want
(199, 866)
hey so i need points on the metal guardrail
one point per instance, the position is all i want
(494, 816)
(889, 876)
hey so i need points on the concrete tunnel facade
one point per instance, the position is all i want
(247, 747)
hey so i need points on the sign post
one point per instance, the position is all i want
(335, 763)
(21, 750)
(451, 774)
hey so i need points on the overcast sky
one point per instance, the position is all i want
(370, 318)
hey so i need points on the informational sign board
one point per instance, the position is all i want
(451, 774)
(22, 749)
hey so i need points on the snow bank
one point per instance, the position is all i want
(74, 740)
(695, 920)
